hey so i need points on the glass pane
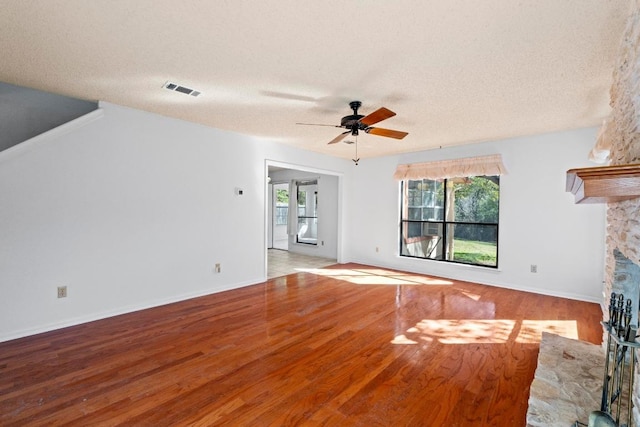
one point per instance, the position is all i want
(282, 196)
(413, 229)
(433, 200)
(307, 213)
(307, 201)
(307, 230)
(282, 213)
(414, 199)
(415, 214)
(473, 244)
(422, 239)
(302, 197)
(425, 194)
(474, 199)
(435, 213)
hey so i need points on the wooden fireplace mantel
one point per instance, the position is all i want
(604, 184)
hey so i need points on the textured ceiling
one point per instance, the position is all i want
(454, 71)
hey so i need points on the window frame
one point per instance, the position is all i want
(314, 193)
(444, 224)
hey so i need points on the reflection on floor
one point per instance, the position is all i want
(281, 263)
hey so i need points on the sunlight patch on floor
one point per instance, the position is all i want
(376, 276)
(489, 331)
(402, 339)
(531, 330)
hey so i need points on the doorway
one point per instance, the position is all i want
(314, 238)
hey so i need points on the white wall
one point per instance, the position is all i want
(328, 208)
(539, 222)
(133, 210)
(129, 211)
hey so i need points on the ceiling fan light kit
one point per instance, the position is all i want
(354, 123)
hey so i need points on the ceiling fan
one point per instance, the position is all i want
(354, 123)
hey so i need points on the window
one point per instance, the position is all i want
(454, 219)
(282, 206)
(307, 213)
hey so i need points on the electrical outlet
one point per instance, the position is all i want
(534, 268)
(62, 291)
(217, 268)
(377, 249)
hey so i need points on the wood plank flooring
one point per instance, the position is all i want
(349, 345)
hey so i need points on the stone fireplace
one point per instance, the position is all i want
(621, 136)
(621, 133)
(618, 185)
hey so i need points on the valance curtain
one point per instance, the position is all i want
(470, 166)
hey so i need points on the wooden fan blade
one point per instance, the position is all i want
(387, 132)
(339, 137)
(377, 116)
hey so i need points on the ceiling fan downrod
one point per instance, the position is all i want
(357, 159)
(352, 121)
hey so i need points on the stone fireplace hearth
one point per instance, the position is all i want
(568, 382)
(567, 385)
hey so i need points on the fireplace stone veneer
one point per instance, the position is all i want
(621, 132)
(620, 135)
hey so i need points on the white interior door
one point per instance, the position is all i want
(279, 208)
(270, 217)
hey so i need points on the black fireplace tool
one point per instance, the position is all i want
(621, 338)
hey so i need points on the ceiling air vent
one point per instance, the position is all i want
(182, 89)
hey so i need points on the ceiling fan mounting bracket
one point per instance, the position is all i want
(352, 121)
(355, 105)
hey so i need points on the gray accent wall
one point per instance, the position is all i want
(25, 113)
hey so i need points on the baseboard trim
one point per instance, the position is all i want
(122, 310)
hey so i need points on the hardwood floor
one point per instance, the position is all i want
(348, 346)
